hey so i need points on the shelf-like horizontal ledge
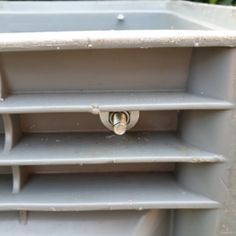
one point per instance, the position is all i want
(108, 101)
(103, 148)
(116, 39)
(84, 192)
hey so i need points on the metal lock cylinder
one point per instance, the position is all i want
(119, 121)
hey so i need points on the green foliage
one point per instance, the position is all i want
(220, 2)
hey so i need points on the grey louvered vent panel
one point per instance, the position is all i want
(63, 172)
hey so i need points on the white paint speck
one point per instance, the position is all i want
(120, 17)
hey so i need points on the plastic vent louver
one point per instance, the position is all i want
(64, 173)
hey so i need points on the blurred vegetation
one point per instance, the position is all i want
(219, 2)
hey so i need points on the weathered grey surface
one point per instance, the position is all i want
(100, 148)
(228, 217)
(114, 39)
(114, 223)
(158, 59)
(96, 102)
(91, 192)
(34, 32)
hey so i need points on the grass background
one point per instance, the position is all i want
(220, 2)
